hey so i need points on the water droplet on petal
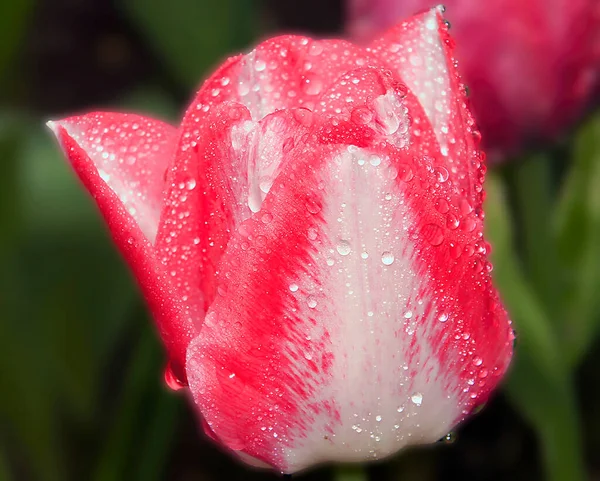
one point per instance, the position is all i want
(405, 173)
(374, 160)
(387, 258)
(312, 85)
(304, 116)
(343, 247)
(442, 174)
(452, 221)
(450, 438)
(433, 234)
(172, 381)
(417, 398)
(313, 205)
(442, 205)
(361, 115)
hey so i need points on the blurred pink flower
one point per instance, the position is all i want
(532, 67)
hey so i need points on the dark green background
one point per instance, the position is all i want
(81, 390)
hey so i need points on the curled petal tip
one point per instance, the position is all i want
(53, 125)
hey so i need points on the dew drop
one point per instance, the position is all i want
(442, 205)
(343, 247)
(452, 221)
(442, 174)
(387, 258)
(405, 173)
(313, 86)
(172, 381)
(433, 234)
(374, 160)
(361, 115)
(313, 206)
(443, 317)
(293, 287)
(260, 65)
(450, 438)
(311, 301)
(464, 207)
(304, 116)
(417, 398)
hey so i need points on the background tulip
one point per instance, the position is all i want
(531, 67)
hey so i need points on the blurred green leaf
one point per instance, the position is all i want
(13, 21)
(5, 473)
(350, 473)
(11, 144)
(152, 101)
(578, 232)
(193, 36)
(533, 188)
(551, 408)
(27, 403)
(117, 447)
(158, 436)
(82, 289)
(533, 327)
(53, 201)
(539, 382)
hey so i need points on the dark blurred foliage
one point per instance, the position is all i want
(81, 389)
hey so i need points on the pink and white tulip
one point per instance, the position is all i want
(309, 241)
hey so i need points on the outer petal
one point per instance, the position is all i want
(355, 318)
(216, 183)
(131, 154)
(121, 160)
(420, 51)
(283, 72)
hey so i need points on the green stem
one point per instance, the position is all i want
(355, 472)
(532, 182)
(549, 404)
(561, 443)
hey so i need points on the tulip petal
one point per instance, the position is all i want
(352, 318)
(282, 72)
(121, 159)
(217, 182)
(131, 154)
(420, 51)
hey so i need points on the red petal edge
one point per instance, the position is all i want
(135, 246)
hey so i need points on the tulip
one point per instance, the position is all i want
(532, 67)
(309, 241)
